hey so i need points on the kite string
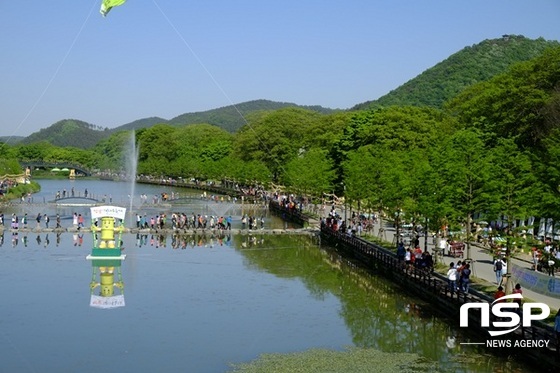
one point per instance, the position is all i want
(40, 98)
(280, 166)
(198, 59)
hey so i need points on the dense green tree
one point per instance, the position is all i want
(514, 196)
(399, 128)
(327, 130)
(9, 166)
(397, 186)
(158, 143)
(468, 170)
(422, 203)
(435, 204)
(379, 178)
(246, 172)
(311, 173)
(203, 141)
(8, 151)
(33, 152)
(113, 149)
(275, 138)
(362, 172)
(546, 165)
(515, 104)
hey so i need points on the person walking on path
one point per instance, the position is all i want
(401, 252)
(452, 278)
(499, 270)
(465, 278)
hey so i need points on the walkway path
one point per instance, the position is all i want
(482, 266)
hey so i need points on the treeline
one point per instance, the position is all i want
(493, 149)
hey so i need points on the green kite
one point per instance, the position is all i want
(107, 5)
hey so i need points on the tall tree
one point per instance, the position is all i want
(275, 138)
(514, 196)
(311, 173)
(361, 177)
(468, 171)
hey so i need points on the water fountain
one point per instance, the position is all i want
(131, 166)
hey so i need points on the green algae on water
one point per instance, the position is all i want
(354, 360)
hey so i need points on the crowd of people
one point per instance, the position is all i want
(182, 221)
(459, 277)
(546, 259)
(415, 257)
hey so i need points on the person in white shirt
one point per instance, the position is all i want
(452, 277)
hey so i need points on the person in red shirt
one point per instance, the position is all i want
(499, 293)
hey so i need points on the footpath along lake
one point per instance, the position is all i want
(198, 303)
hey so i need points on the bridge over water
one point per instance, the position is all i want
(79, 169)
(96, 200)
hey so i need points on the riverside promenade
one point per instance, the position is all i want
(482, 266)
(434, 289)
(536, 286)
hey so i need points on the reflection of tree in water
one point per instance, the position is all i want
(378, 313)
(382, 316)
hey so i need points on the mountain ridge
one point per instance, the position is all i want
(462, 69)
(433, 87)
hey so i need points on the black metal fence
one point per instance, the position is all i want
(291, 214)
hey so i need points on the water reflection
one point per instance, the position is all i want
(184, 240)
(103, 277)
(215, 298)
(106, 256)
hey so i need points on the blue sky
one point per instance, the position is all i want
(62, 60)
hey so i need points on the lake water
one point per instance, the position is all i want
(200, 303)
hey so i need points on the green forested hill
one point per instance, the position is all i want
(140, 123)
(69, 132)
(11, 139)
(463, 69)
(232, 117)
(78, 134)
(439, 84)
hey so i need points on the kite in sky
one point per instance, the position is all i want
(106, 5)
